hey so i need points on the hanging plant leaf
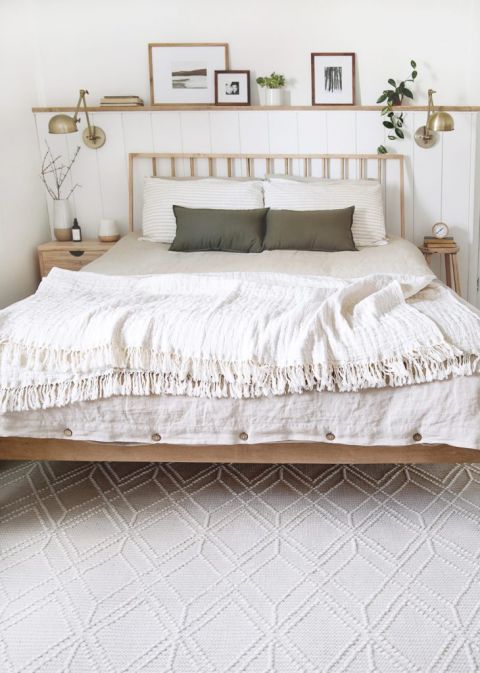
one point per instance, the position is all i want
(381, 149)
(394, 97)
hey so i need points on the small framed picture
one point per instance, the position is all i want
(333, 79)
(232, 87)
(184, 73)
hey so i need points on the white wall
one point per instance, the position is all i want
(102, 45)
(23, 213)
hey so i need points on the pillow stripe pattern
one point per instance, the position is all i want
(368, 227)
(160, 195)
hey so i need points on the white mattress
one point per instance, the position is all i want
(442, 412)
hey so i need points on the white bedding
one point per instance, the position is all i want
(132, 256)
(442, 411)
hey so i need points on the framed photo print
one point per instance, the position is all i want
(184, 74)
(333, 79)
(232, 87)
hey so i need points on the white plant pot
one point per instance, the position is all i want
(273, 96)
(62, 220)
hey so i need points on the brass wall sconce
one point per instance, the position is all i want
(93, 136)
(437, 122)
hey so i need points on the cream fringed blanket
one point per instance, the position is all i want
(85, 336)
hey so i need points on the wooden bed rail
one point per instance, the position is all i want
(25, 448)
(281, 164)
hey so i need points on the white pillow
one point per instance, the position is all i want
(368, 227)
(160, 195)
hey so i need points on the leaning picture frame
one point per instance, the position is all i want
(232, 87)
(333, 78)
(184, 73)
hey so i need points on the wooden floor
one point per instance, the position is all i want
(24, 448)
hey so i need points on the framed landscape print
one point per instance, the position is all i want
(232, 87)
(184, 74)
(333, 78)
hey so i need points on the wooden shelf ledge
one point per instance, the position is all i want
(246, 108)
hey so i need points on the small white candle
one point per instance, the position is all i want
(108, 230)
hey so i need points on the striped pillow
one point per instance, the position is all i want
(160, 195)
(368, 227)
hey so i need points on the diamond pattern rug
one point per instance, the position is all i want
(239, 569)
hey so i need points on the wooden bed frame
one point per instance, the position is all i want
(24, 448)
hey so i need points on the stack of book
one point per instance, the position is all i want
(124, 101)
(434, 244)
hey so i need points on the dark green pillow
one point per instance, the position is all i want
(324, 230)
(219, 229)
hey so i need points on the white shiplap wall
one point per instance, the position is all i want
(439, 182)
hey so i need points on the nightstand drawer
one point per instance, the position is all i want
(69, 255)
(66, 260)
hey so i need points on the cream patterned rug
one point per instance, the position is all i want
(239, 569)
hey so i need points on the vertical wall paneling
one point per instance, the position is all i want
(439, 182)
(112, 172)
(225, 136)
(406, 147)
(392, 182)
(283, 135)
(254, 136)
(312, 136)
(225, 132)
(85, 172)
(427, 206)
(138, 137)
(455, 194)
(196, 138)
(342, 139)
(167, 137)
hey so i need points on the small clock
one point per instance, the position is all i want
(440, 230)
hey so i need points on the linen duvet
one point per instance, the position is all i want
(282, 356)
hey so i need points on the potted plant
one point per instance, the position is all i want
(53, 174)
(273, 85)
(394, 97)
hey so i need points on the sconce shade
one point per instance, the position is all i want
(62, 124)
(441, 121)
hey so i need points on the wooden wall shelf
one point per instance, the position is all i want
(246, 108)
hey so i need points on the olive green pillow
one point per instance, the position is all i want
(324, 230)
(219, 229)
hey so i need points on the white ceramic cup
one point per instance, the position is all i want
(108, 230)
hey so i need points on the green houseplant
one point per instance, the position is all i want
(273, 85)
(394, 97)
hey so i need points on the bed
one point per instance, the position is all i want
(437, 421)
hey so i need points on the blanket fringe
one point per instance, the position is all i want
(105, 372)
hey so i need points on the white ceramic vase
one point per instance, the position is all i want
(273, 96)
(62, 220)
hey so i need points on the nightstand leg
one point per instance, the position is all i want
(456, 274)
(448, 270)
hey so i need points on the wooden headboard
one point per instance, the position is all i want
(341, 166)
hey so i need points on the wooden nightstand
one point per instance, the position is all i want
(69, 255)
(452, 275)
